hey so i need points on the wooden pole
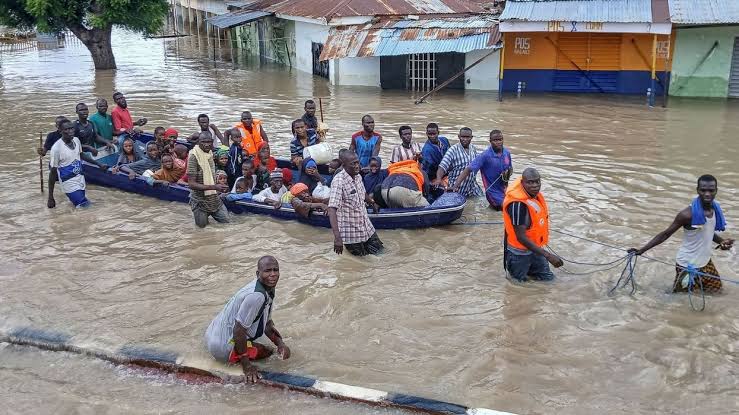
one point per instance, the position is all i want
(455, 76)
(320, 106)
(502, 69)
(654, 71)
(41, 160)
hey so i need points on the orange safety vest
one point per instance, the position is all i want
(538, 233)
(409, 167)
(250, 140)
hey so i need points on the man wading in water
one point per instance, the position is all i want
(347, 211)
(201, 173)
(246, 317)
(700, 222)
(526, 220)
(66, 167)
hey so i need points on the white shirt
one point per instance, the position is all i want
(68, 164)
(216, 141)
(269, 194)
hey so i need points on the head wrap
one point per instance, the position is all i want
(221, 173)
(170, 132)
(298, 188)
(221, 151)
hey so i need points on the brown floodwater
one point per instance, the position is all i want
(434, 316)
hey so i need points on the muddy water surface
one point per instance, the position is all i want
(434, 316)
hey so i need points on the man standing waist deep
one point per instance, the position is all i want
(700, 222)
(347, 210)
(526, 220)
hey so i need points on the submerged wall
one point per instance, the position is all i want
(711, 78)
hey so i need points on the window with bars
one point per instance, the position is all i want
(421, 71)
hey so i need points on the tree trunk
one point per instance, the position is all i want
(98, 43)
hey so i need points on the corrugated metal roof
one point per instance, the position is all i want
(704, 11)
(327, 9)
(236, 18)
(402, 37)
(621, 11)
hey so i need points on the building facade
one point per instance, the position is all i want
(603, 46)
(435, 41)
(706, 62)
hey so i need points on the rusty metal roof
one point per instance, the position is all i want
(327, 9)
(391, 37)
(704, 11)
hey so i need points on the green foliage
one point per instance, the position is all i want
(145, 16)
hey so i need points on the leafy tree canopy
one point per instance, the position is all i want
(145, 16)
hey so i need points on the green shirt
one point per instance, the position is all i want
(103, 125)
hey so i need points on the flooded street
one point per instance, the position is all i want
(433, 317)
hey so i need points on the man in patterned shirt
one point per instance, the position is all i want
(347, 211)
(407, 149)
(456, 159)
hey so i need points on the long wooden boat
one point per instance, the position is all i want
(442, 211)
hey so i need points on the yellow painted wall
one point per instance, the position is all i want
(534, 51)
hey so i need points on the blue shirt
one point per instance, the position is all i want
(492, 165)
(432, 154)
(364, 148)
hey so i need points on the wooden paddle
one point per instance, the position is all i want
(41, 160)
(320, 106)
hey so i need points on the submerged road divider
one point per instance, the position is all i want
(174, 363)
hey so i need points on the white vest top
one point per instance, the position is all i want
(697, 244)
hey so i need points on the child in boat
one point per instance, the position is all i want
(167, 175)
(248, 170)
(221, 177)
(263, 178)
(220, 158)
(170, 140)
(159, 138)
(273, 194)
(240, 190)
(128, 154)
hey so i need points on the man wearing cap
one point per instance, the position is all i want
(246, 317)
(273, 194)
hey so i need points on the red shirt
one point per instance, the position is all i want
(122, 120)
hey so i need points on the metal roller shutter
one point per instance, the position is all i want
(587, 62)
(734, 76)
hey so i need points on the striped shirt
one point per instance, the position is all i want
(347, 196)
(454, 162)
(401, 153)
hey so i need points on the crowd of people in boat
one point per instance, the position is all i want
(244, 169)
(236, 164)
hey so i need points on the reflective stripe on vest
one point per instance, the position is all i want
(409, 167)
(538, 233)
(250, 140)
